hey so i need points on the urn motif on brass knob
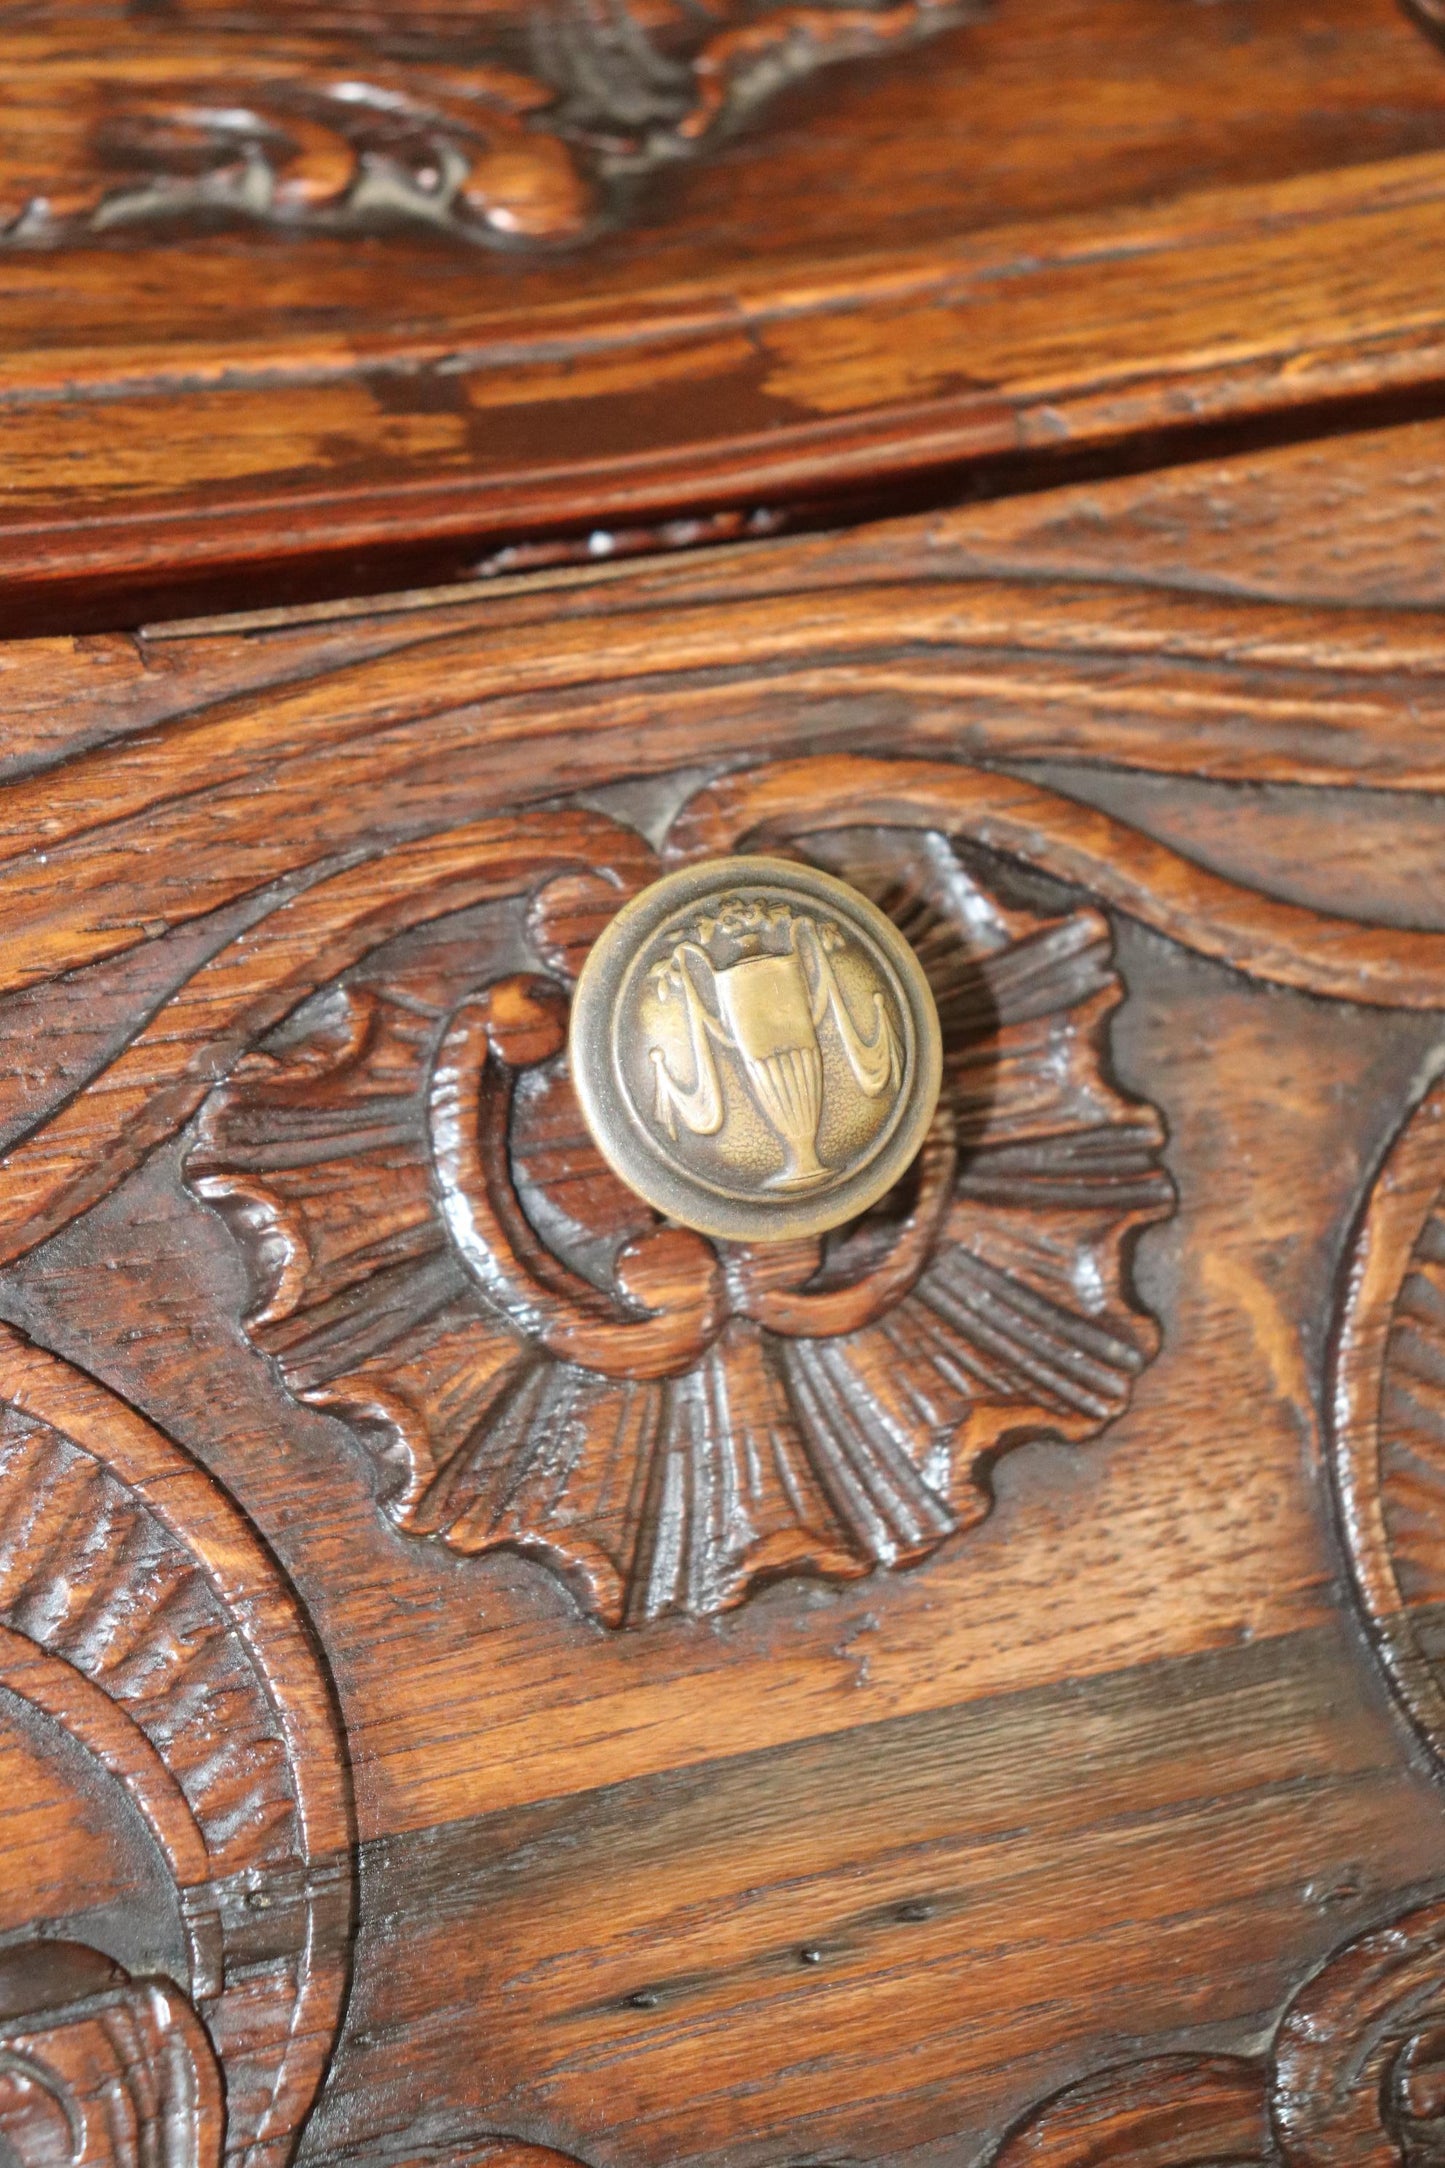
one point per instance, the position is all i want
(756, 1049)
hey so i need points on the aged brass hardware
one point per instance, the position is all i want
(755, 1048)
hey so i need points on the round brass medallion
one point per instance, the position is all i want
(756, 1049)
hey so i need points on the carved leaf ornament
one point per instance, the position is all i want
(540, 1363)
(536, 1361)
(530, 131)
(665, 1419)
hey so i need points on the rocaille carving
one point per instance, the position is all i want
(101, 2071)
(445, 1260)
(85, 1141)
(416, 129)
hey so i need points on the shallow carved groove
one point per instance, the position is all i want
(853, 1874)
(531, 131)
(1278, 942)
(1389, 1413)
(161, 1076)
(442, 1257)
(141, 1613)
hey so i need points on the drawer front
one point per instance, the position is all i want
(489, 1673)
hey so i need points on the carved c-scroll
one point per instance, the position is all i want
(788, 1332)
(1171, 2111)
(1281, 943)
(156, 1084)
(348, 141)
(101, 2071)
(142, 1612)
(1352, 2079)
(74, 1156)
(670, 1305)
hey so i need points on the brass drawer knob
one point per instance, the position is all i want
(756, 1049)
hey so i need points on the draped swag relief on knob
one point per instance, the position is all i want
(718, 1061)
(537, 1362)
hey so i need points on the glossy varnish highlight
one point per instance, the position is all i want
(492, 1676)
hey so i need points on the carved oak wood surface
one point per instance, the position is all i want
(507, 126)
(101, 2068)
(1052, 231)
(143, 1616)
(810, 1408)
(1090, 1815)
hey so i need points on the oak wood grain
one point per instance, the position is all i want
(825, 1913)
(1205, 221)
(1091, 1828)
(1073, 667)
(1268, 1151)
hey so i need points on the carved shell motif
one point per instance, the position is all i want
(541, 1364)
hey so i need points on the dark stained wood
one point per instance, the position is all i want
(866, 148)
(858, 1868)
(1350, 521)
(492, 1680)
(498, 127)
(989, 1301)
(835, 1894)
(1226, 1540)
(97, 2067)
(143, 1616)
(1351, 2076)
(1389, 1390)
(1144, 222)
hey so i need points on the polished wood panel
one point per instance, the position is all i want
(492, 1679)
(1090, 1827)
(1348, 519)
(1144, 223)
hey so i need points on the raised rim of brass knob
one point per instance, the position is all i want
(755, 1048)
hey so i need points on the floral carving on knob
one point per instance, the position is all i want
(541, 1363)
